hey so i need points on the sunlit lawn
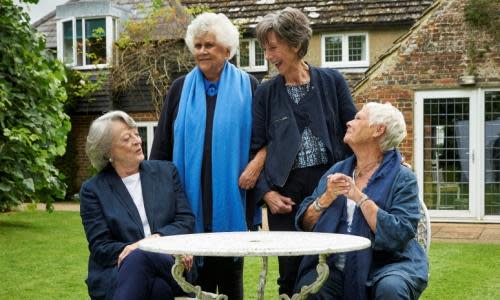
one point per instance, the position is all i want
(44, 256)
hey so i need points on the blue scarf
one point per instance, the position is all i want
(232, 126)
(334, 220)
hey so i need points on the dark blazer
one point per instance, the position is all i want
(111, 220)
(325, 109)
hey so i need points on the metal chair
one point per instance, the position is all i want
(424, 228)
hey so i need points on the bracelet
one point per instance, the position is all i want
(317, 207)
(364, 197)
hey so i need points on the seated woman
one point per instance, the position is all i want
(129, 200)
(370, 194)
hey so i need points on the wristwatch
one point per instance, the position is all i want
(316, 206)
(364, 197)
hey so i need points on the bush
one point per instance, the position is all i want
(33, 125)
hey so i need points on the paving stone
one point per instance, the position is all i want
(490, 234)
(458, 234)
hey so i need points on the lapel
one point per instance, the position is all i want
(148, 180)
(120, 192)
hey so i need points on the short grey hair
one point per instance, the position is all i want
(219, 25)
(100, 137)
(393, 120)
(291, 26)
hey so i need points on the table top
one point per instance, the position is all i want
(256, 243)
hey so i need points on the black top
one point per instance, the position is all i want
(206, 165)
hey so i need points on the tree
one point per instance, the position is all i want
(33, 125)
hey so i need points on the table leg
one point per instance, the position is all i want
(323, 271)
(178, 274)
(262, 279)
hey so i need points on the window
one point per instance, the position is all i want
(147, 133)
(251, 56)
(345, 50)
(457, 156)
(86, 42)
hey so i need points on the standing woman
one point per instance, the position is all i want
(299, 117)
(205, 128)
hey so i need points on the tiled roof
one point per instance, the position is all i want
(333, 13)
(322, 14)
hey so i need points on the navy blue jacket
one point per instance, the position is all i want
(328, 107)
(111, 220)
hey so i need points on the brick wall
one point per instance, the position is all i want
(79, 133)
(432, 56)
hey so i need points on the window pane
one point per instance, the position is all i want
(259, 55)
(333, 48)
(446, 159)
(143, 132)
(357, 46)
(244, 54)
(492, 153)
(79, 43)
(95, 41)
(68, 42)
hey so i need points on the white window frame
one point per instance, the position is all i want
(476, 153)
(345, 63)
(149, 133)
(251, 54)
(110, 36)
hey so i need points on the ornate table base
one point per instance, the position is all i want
(321, 268)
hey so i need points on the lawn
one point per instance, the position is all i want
(44, 256)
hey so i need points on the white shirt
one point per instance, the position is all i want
(133, 184)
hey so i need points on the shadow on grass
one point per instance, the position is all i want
(16, 224)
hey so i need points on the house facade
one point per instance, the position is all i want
(348, 35)
(444, 74)
(414, 54)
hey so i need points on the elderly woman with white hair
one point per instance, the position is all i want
(127, 201)
(370, 194)
(205, 129)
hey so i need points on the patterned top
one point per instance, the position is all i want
(312, 150)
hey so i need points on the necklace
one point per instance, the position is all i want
(360, 172)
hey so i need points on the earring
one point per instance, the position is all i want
(110, 160)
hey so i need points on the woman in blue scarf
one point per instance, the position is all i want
(370, 194)
(204, 128)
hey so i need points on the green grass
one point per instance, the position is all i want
(464, 271)
(44, 256)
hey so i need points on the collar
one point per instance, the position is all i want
(211, 88)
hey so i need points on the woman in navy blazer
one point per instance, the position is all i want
(129, 200)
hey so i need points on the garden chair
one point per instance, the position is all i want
(424, 228)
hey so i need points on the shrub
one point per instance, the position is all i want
(33, 125)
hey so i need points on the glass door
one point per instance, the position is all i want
(444, 152)
(492, 153)
(457, 153)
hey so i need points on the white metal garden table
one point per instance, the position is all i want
(258, 243)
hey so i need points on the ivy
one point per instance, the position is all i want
(33, 125)
(483, 14)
